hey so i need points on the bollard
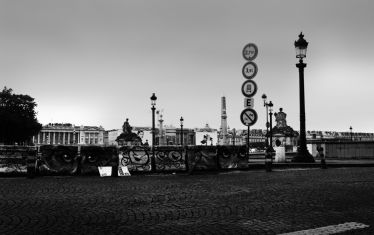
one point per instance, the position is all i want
(269, 159)
(115, 170)
(268, 164)
(30, 166)
(115, 167)
(79, 161)
(322, 156)
(38, 162)
(184, 151)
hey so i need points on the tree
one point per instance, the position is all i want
(18, 121)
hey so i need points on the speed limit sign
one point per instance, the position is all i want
(249, 70)
(250, 51)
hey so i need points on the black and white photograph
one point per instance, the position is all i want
(186, 117)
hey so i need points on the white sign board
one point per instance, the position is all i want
(249, 103)
(105, 171)
(123, 171)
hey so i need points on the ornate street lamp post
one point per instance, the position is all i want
(153, 103)
(350, 128)
(181, 121)
(271, 123)
(270, 150)
(233, 136)
(302, 152)
(74, 137)
(264, 97)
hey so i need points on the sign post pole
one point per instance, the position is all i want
(247, 153)
(249, 89)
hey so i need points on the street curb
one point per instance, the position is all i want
(255, 166)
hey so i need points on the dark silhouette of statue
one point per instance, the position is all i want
(280, 118)
(127, 136)
(126, 128)
(281, 127)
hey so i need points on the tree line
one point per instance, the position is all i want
(18, 122)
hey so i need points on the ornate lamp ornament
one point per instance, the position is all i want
(301, 46)
(153, 99)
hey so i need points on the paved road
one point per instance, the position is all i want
(250, 202)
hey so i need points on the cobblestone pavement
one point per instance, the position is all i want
(250, 202)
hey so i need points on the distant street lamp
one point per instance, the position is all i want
(153, 103)
(264, 97)
(271, 120)
(350, 128)
(270, 150)
(73, 137)
(302, 152)
(181, 121)
(233, 136)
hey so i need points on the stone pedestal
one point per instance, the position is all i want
(280, 154)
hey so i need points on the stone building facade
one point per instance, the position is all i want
(68, 134)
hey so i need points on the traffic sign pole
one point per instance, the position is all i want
(247, 153)
(249, 89)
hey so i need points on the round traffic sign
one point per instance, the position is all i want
(250, 51)
(249, 70)
(249, 88)
(248, 117)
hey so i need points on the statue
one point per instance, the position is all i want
(126, 128)
(280, 118)
(285, 136)
(281, 127)
(127, 136)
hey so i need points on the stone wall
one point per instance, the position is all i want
(13, 158)
(349, 150)
(343, 149)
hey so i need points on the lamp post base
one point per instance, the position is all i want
(269, 154)
(303, 155)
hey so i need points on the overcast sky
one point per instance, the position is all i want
(97, 62)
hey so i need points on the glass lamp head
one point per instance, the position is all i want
(300, 46)
(271, 106)
(153, 99)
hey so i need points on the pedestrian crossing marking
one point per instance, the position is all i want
(332, 229)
